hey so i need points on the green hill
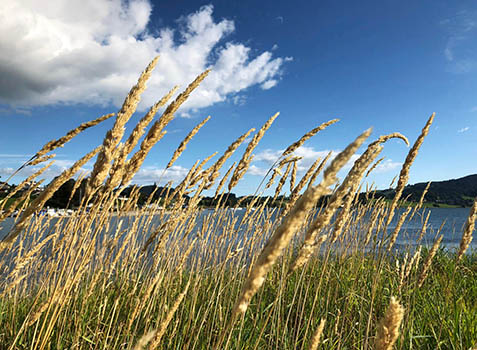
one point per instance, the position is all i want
(456, 192)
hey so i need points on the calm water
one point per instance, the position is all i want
(454, 218)
(452, 230)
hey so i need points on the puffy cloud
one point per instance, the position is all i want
(463, 129)
(309, 155)
(147, 175)
(387, 165)
(255, 170)
(92, 51)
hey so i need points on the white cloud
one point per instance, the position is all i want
(269, 84)
(56, 169)
(463, 129)
(255, 170)
(147, 175)
(239, 100)
(309, 155)
(459, 51)
(11, 110)
(387, 165)
(448, 51)
(7, 155)
(92, 51)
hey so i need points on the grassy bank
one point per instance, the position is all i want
(304, 276)
(350, 292)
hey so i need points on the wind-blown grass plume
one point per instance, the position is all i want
(23, 198)
(22, 184)
(381, 140)
(144, 340)
(163, 326)
(319, 169)
(156, 131)
(114, 135)
(118, 167)
(329, 178)
(40, 201)
(111, 270)
(421, 200)
(307, 177)
(316, 339)
(427, 263)
(54, 144)
(374, 166)
(282, 181)
(41, 156)
(399, 224)
(214, 173)
(373, 220)
(362, 163)
(140, 127)
(424, 227)
(135, 163)
(307, 136)
(244, 163)
(288, 159)
(388, 329)
(186, 140)
(224, 179)
(41, 159)
(77, 185)
(404, 174)
(199, 174)
(468, 230)
(301, 184)
(293, 176)
(276, 171)
(275, 246)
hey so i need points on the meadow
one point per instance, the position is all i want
(173, 276)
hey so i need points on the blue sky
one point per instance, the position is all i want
(385, 64)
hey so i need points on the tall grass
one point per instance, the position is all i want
(165, 275)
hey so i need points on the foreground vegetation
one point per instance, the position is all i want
(304, 275)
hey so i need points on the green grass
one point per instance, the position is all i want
(442, 314)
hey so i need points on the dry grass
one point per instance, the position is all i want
(163, 273)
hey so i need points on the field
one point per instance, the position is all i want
(173, 276)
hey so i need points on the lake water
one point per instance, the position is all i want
(454, 218)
